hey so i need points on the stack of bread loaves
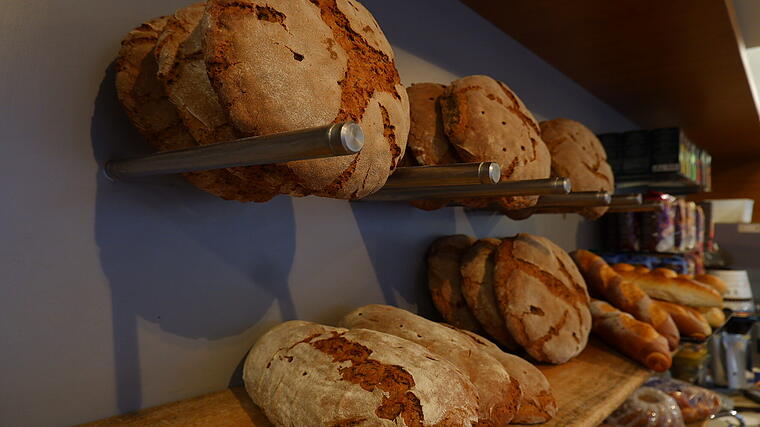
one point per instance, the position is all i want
(387, 366)
(223, 69)
(524, 291)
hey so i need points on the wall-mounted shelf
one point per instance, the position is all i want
(584, 399)
(661, 63)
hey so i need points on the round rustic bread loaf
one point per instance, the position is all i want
(538, 404)
(577, 153)
(427, 139)
(445, 280)
(144, 99)
(499, 395)
(487, 122)
(476, 268)
(294, 64)
(301, 373)
(543, 298)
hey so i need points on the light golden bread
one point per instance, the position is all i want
(664, 284)
(690, 321)
(605, 283)
(714, 281)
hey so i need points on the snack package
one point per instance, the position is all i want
(657, 227)
(647, 406)
(696, 403)
(680, 225)
(690, 227)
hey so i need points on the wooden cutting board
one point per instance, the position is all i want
(587, 389)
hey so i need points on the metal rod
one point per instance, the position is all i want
(626, 200)
(534, 187)
(575, 200)
(644, 207)
(337, 139)
(445, 175)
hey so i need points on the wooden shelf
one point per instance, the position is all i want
(587, 389)
(660, 63)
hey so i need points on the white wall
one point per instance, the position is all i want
(117, 296)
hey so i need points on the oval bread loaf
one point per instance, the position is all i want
(537, 404)
(665, 285)
(445, 280)
(293, 64)
(304, 374)
(542, 297)
(499, 394)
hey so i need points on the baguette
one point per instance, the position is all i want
(715, 316)
(713, 281)
(638, 340)
(604, 282)
(690, 322)
(665, 285)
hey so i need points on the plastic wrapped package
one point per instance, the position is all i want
(657, 230)
(647, 407)
(628, 239)
(696, 403)
(699, 225)
(690, 227)
(680, 225)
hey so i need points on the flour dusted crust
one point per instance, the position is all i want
(445, 280)
(577, 153)
(486, 121)
(284, 65)
(537, 404)
(542, 297)
(302, 373)
(476, 268)
(144, 99)
(499, 394)
(427, 139)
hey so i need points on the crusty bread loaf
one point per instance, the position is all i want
(499, 394)
(445, 280)
(295, 64)
(714, 315)
(302, 373)
(542, 297)
(604, 282)
(576, 153)
(477, 287)
(690, 322)
(487, 122)
(427, 140)
(665, 285)
(638, 340)
(538, 404)
(144, 99)
(714, 281)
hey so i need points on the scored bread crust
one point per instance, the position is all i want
(577, 153)
(302, 373)
(487, 122)
(538, 404)
(427, 139)
(182, 70)
(499, 394)
(665, 284)
(542, 298)
(144, 99)
(476, 268)
(306, 64)
(445, 280)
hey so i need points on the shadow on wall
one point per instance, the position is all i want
(397, 252)
(198, 266)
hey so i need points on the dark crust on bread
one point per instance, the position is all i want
(427, 138)
(444, 278)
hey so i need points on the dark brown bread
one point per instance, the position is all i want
(144, 99)
(499, 395)
(578, 154)
(638, 340)
(486, 121)
(427, 139)
(604, 282)
(294, 64)
(542, 298)
(476, 268)
(445, 280)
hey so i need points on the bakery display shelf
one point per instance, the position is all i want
(587, 389)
